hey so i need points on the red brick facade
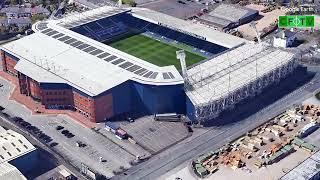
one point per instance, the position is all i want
(9, 63)
(63, 97)
(94, 109)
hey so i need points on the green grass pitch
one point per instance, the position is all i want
(154, 51)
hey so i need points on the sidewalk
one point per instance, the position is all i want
(34, 106)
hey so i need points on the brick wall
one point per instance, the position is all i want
(103, 107)
(34, 89)
(8, 63)
(23, 83)
(84, 105)
(3, 62)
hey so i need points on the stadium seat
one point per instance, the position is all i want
(107, 28)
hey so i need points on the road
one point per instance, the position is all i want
(215, 138)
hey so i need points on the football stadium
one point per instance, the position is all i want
(111, 62)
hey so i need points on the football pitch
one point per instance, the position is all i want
(154, 51)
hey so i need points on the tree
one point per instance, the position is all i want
(37, 17)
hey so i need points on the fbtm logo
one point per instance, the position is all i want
(295, 21)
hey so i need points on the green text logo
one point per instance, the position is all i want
(295, 21)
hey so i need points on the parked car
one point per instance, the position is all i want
(58, 128)
(65, 132)
(69, 135)
(53, 144)
(80, 144)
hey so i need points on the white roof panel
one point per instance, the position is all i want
(218, 77)
(87, 72)
(211, 35)
(13, 145)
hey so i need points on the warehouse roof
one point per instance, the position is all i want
(231, 12)
(215, 20)
(8, 171)
(13, 145)
(306, 170)
(228, 72)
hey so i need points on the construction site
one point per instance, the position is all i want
(266, 145)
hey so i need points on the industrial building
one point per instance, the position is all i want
(284, 38)
(227, 16)
(7, 171)
(308, 169)
(18, 152)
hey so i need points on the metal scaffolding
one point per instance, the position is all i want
(218, 84)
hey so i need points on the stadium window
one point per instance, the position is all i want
(18, 149)
(4, 148)
(9, 153)
(1, 157)
(64, 93)
(55, 93)
(47, 93)
(13, 144)
(25, 146)
(20, 141)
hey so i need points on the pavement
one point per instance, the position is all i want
(155, 135)
(182, 154)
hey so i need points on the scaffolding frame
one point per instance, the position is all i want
(222, 82)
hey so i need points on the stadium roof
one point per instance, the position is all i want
(94, 67)
(77, 19)
(13, 145)
(92, 70)
(231, 12)
(199, 30)
(188, 27)
(306, 170)
(217, 77)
